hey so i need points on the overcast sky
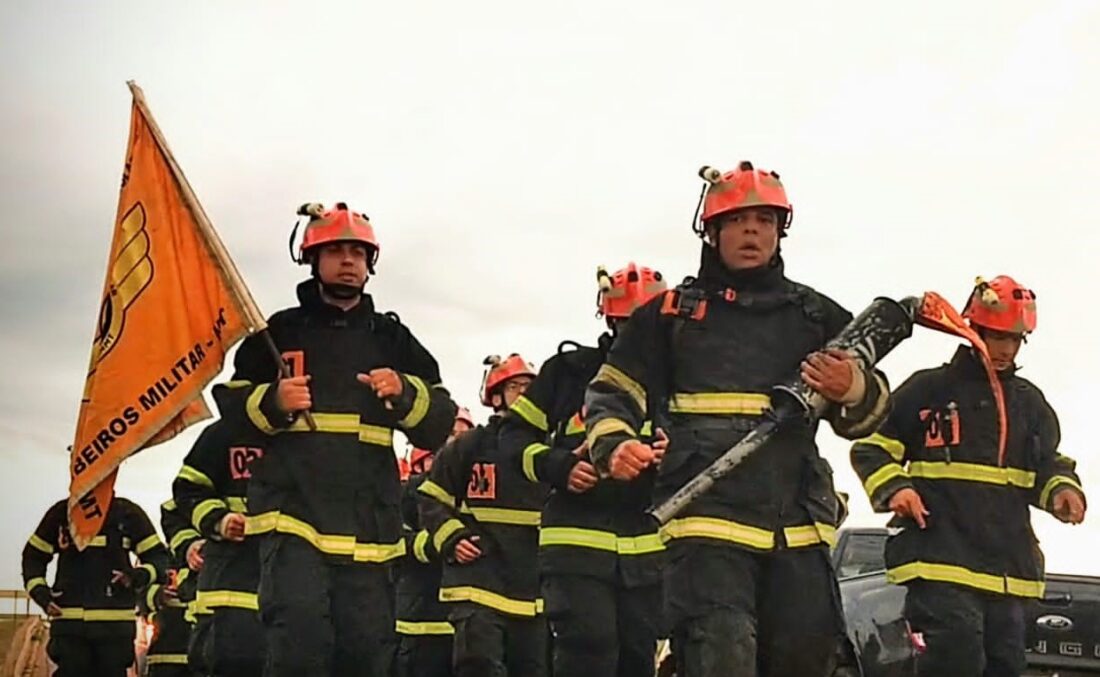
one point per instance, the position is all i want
(504, 149)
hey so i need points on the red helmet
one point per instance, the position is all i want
(419, 461)
(1002, 304)
(500, 371)
(463, 414)
(743, 187)
(627, 289)
(339, 224)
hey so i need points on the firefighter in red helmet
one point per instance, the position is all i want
(748, 573)
(483, 516)
(324, 497)
(965, 548)
(599, 553)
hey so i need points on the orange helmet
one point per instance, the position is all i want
(339, 224)
(1002, 304)
(627, 289)
(500, 371)
(419, 461)
(743, 187)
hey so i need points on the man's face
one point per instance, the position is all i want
(1003, 347)
(511, 391)
(747, 238)
(343, 263)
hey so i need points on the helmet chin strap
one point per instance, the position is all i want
(343, 292)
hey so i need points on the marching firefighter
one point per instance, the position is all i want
(326, 493)
(599, 553)
(425, 645)
(748, 575)
(165, 604)
(966, 550)
(483, 517)
(92, 602)
(211, 490)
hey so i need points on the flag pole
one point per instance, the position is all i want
(234, 281)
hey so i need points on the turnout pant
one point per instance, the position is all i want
(425, 656)
(600, 628)
(968, 633)
(323, 619)
(78, 655)
(737, 613)
(233, 645)
(488, 643)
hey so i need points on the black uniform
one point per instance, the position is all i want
(475, 489)
(327, 500)
(969, 571)
(599, 554)
(94, 635)
(211, 484)
(748, 562)
(426, 634)
(167, 653)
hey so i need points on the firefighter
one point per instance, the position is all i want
(211, 490)
(966, 550)
(325, 495)
(748, 577)
(425, 645)
(92, 602)
(165, 604)
(483, 517)
(599, 553)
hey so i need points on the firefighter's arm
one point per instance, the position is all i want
(250, 400)
(1056, 473)
(525, 432)
(879, 459)
(39, 552)
(177, 531)
(869, 398)
(150, 551)
(441, 495)
(616, 399)
(195, 488)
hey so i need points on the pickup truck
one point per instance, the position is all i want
(1063, 627)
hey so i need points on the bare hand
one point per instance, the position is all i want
(386, 383)
(582, 477)
(232, 527)
(120, 579)
(630, 458)
(167, 594)
(194, 555)
(660, 446)
(908, 503)
(52, 610)
(830, 373)
(466, 550)
(292, 394)
(1069, 507)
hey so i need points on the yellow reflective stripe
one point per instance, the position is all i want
(181, 537)
(217, 599)
(618, 378)
(646, 429)
(522, 518)
(195, 476)
(345, 424)
(751, 404)
(949, 573)
(600, 540)
(182, 575)
(40, 544)
(35, 582)
(96, 615)
(151, 595)
(882, 476)
(606, 427)
(98, 542)
(166, 659)
(430, 488)
(530, 412)
(972, 472)
(1052, 484)
(168, 505)
(488, 598)
(377, 435)
(240, 383)
(147, 544)
(445, 531)
(237, 504)
(252, 408)
(151, 569)
(721, 530)
(424, 628)
(575, 426)
(420, 403)
(326, 543)
(529, 455)
(895, 448)
(205, 508)
(420, 543)
(810, 534)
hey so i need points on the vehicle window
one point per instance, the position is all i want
(863, 554)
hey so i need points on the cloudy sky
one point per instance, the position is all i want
(505, 149)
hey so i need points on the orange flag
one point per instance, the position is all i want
(173, 305)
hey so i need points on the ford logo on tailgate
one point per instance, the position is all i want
(1054, 622)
